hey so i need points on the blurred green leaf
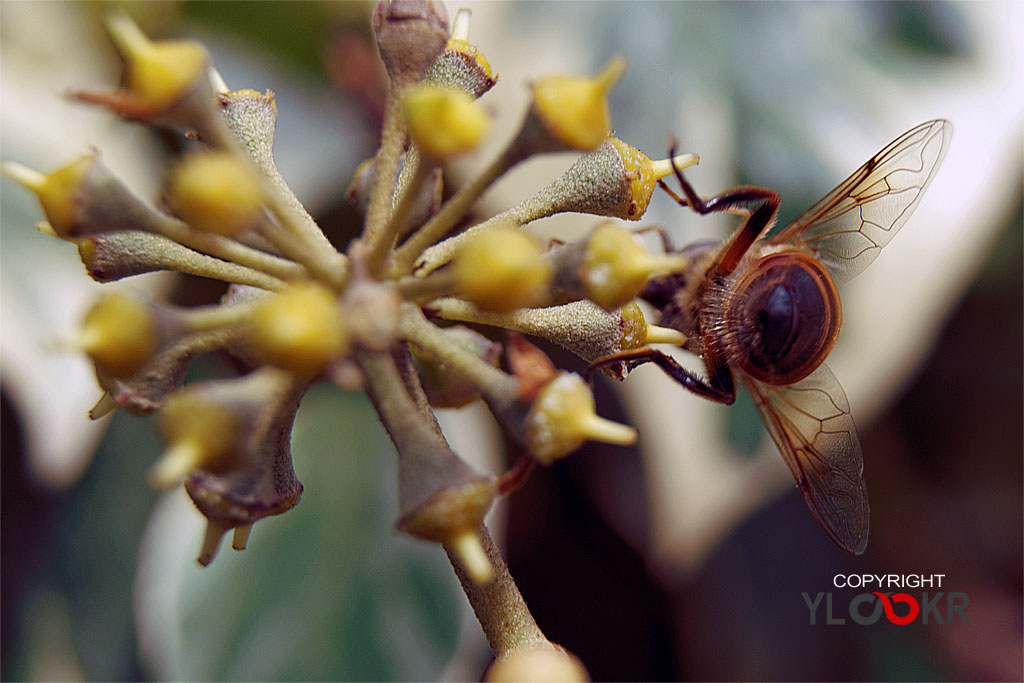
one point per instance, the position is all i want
(98, 544)
(296, 31)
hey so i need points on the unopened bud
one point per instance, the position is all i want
(85, 198)
(616, 266)
(562, 419)
(575, 109)
(542, 663)
(201, 431)
(444, 122)
(166, 81)
(217, 192)
(299, 329)
(120, 334)
(410, 35)
(501, 269)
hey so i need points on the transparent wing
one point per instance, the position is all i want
(811, 424)
(849, 226)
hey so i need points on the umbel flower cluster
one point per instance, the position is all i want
(383, 316)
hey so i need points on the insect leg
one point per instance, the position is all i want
(666, 241)
(720, 388)
(737, 198)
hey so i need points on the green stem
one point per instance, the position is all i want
(498, 605)
(423, 289)
(415, 328)
(451, 212)
(228, 249)
(378, 213)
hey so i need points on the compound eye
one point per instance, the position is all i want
(783, 318)
(777, 321)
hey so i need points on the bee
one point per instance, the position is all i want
(764, 308)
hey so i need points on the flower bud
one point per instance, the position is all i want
(574, 109)
(580, 327)
(616, 266)
(562, 418)
(542, 663)
(410, 35)
(501, 269)
(299, 329)
(166, 82)
(246, 470)
(201, 431)
(85, 198)
(609, 181)
(120, 334)
(443, 123)
(217, 192)
(452, 516)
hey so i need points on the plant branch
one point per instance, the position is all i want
(498, 605)
(451, 212)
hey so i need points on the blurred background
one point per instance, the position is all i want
(684, 558)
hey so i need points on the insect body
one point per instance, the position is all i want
(766, 310)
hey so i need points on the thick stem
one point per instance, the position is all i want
(414, 327)
(498, 605)
(378, 213)
(228, 249)
(453, 210)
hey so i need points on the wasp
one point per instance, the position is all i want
(762, 308)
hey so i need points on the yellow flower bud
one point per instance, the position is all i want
(644, 174)
(119, 334)
(562, 418)
(299, 329)
(537, 664)
(217, 192)
(159, 72)
(444, 122)
(575, 109)
(56, 192)
(200, 433)
(502, 270)
(616, 266)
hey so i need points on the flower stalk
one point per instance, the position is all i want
(375, 317)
